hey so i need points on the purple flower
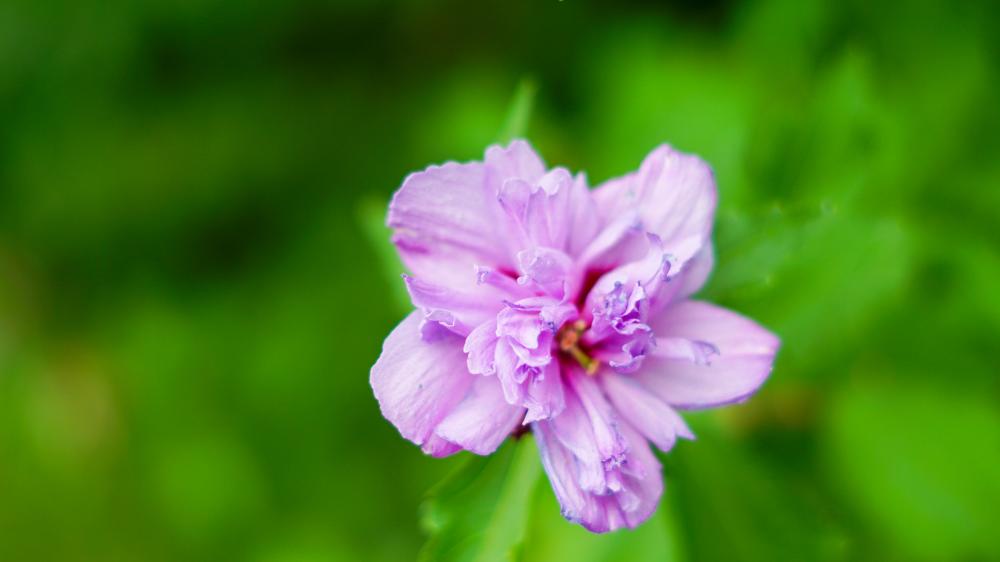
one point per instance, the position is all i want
(543, 303)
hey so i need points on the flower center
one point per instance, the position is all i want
(569, 343)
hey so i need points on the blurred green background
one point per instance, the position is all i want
(194, 280)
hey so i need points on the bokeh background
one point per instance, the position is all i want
(194, 279)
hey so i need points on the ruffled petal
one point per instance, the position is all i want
(524, 328)
(482, 420)
(481, 349)
(603, 472)
(672, 196)
(458, 311)
(533, 322)
(535, 387)
(643, 479)
(641, 280)
(523, 354)
(563, 469)
(677, 197)
(742, 357)
(573, 431)
(555, 212)
(544, 397)
(502, 282)
(547, 270)
(418, 383)
(538, 211)
(600, 418)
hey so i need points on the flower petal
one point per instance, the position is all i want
(536, 387)
(438, 447)
(418, 383)
(693, 275)
(674, 196)
(621, 240)
(550, 271)
(562, 467)
(629, 489)
(545, 397)
(444, 221)
(557, 211)
(582, 217)
(481, 348)
(483, 419)
(643, 478)
(699, 352)
(600, 417)
(745, 357)
(615, 197)
(644, 411)
(458, 311)
(517, 160)
(649, 274)
(533, 211)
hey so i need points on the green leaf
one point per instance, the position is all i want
(480, 512)
(551, 537)
(782, 271)
(519, 114)
(372, 211)
(736, 507)
(371, 214)
(918, 463)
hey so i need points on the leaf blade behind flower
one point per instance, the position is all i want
(519, 113)
(480, 512)
(551, 537)
(371, 216)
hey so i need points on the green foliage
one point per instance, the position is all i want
(501, 508)
(372, 219)
(195, 276)
(740, 508)
(480, 513)
(924, 476)
(551, 537)
(519, 114)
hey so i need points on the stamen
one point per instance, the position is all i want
(569, 340)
